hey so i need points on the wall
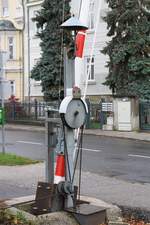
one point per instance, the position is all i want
(14, 67)
(96, 87)
(32, 50)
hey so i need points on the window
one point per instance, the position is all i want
(5, 11)
(11, 47)
(91, 74)
(91, 15)
(36, 29)
(36, 60)
(12, 87)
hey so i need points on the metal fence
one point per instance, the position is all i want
(93, 118)
(34, 111)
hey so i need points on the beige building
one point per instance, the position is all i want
(11, 41)
(32, 51)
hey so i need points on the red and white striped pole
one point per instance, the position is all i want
(60, 169)
(79, 62)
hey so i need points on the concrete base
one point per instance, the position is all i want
(58, 218)
(63, 218)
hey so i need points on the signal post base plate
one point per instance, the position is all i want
(87, 214)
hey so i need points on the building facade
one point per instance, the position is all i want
(11, 41)
(96, 89)
(32, 50)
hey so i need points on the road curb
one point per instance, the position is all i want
(121, 135)
(23, 128)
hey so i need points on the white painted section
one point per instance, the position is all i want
(64, 104)
(139, 156)
(30, 142)
(58, 179)
(91, 150)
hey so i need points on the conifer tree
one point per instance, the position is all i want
(49, 69)
(129, 48)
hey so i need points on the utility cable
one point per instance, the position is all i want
(80, 167)
(66, 152)
(76, 158)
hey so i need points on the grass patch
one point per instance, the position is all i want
(14, 160)
(7, 218)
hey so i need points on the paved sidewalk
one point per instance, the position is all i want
(20, 181)
(143, 136)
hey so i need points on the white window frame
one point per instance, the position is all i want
(36, 29)
(91, 22)
(36, 60)
(92, 69)
(12, 87)
(11, 53)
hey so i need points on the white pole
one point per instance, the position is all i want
(83, 17)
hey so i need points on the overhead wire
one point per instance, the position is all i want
(66, 154)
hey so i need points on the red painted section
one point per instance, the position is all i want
(80, 40)
(60, 166)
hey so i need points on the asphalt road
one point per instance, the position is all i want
(114, 170)
(124, 159)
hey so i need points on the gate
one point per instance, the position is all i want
(145, 116)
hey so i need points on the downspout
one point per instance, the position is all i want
(20, 64)
(29, 82)
(23, 73)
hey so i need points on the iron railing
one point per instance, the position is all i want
(34, 111)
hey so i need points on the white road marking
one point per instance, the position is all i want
(38, 143)
(139, 156)
(30, 142)
(91, 150)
